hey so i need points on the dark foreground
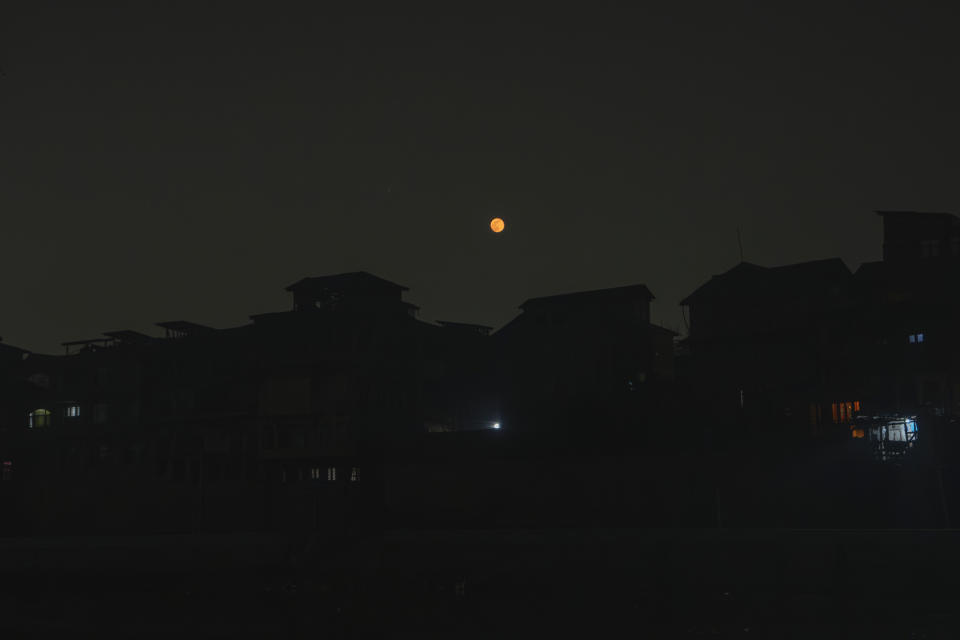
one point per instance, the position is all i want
(519, 583)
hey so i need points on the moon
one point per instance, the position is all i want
(496, 225)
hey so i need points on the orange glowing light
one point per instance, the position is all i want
(496, 225)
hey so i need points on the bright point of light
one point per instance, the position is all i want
(497, 225)
(496, 425)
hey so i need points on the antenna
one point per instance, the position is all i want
(740, 244)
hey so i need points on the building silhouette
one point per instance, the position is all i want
(347, 412)
(765, 344)
(583, 361)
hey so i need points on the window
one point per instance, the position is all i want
(929, 248)
(72, 411)
(331, 474)
(315, 473)
(42, 380)
(844, 411)
(355, 474)
(39, 418)
(915, 338)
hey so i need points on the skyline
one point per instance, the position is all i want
(151, 328)
(191, 162)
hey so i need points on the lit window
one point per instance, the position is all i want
(331, 474)
(919, 337)
(72, 411)
(912, 338)
(836, 418)
(856, 405)
(315, 473)
(39, 418)
(355, 474)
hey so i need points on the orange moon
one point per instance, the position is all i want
(496, 225)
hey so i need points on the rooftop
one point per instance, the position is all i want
(183, 327)
(466, 326)
(752, 279)
(931, 214)
(591, 298)
(354, 281)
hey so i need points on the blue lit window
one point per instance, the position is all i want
(919, 337)
(912, 338)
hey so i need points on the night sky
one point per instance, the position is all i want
(169, 161)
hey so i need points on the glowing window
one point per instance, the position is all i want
(39, 418)
(315, 473)
(912, 338)
(355, 474)
(331, 474)
(72, 411)
(835, 416)
(856, 405)
(919, 337)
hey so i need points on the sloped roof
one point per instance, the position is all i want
(352, 281)
(465, 326)
(11, 348)
(127, 335)
(591, 298)
(754, 280)
(10, 353)
(920, 214)
(185, 326)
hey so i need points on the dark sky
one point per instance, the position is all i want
(187, 161)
